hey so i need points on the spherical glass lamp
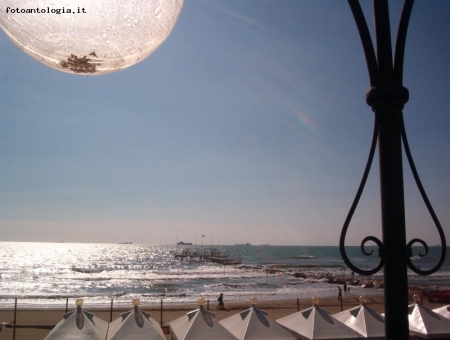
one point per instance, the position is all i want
(89, 37)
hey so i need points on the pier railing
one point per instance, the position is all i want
(205, 255)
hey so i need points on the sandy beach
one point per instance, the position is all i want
(275, 308)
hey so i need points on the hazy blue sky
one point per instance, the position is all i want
(249, 124)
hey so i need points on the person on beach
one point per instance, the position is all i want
(340, 293)
(345, 287)
(220, 299)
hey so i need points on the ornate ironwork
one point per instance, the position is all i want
(387, 97)
(378, 242)
(398, 96)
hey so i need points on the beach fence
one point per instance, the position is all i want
(12, 326)
(42, 320)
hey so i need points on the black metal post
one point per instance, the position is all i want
(387, 101)
(393, 224)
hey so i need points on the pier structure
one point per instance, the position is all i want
(205, 255)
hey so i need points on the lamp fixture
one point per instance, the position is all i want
(89, 37)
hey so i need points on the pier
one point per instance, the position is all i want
(206, 255)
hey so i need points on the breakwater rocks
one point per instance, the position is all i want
(340, 280)
(324, 277)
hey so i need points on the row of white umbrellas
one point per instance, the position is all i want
(249, 324)
(253, 323)
(132, 325)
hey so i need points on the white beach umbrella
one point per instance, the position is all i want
(198, 324)
(254, 324)
(427, 324)
(79, 325)
(444, 311)
(364, 320)
(135, 325)
(316, 323)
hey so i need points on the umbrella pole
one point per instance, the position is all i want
(111, 311)
(15, 318)
(161, 316)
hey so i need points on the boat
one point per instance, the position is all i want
(305, 257)
(437, 295)
(181, 243)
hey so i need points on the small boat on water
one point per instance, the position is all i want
(437, 295)
(304, 257)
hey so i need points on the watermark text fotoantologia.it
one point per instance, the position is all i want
(46, 10)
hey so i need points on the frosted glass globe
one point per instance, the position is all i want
(87, 36)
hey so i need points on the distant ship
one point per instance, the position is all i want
(243, 244)
(125, 242)
(181, 243)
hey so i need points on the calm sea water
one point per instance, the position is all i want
(45, 274)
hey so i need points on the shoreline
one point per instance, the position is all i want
(275, 308)
(104, 304)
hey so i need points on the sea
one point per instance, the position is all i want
(47, 275)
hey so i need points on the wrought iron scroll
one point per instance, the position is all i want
(430, 210)
(352, 211)
(398, 95)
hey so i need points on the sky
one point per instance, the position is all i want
(248, 124)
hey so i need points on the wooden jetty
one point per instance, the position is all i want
(205, 255)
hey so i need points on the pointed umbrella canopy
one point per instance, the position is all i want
(444, 311)
(316, 323)
(79, 325)
(427, 324)
(253, 324)
(199, 324)
(364, 320)
(135, 325)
